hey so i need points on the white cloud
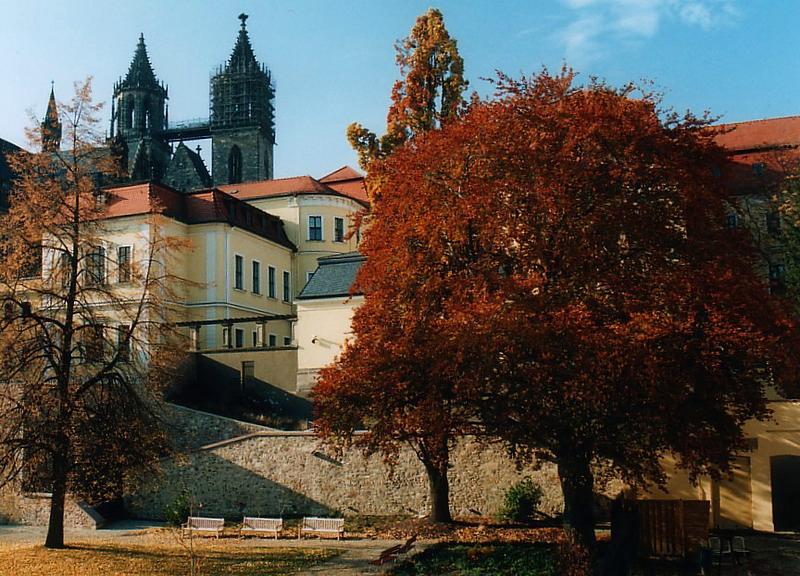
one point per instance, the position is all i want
(596, 25)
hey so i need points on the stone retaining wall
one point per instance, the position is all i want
(34, 509)
(191, 429)
(288, 473)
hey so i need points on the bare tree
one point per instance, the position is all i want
(85, 321)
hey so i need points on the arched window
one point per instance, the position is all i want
(129, 111)
(235, 165)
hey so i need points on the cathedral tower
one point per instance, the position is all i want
(138, 118)
(51, 126)
(242, 116)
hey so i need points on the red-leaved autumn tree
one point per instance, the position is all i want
(557, 258)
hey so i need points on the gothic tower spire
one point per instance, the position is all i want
(139, 118)
(51, 126)
(242, 116)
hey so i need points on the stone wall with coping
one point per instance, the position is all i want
(33, 509)
(290, 473)
(190, 429)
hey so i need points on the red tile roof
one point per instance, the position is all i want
(762, 153)
(203, 206)
(296, 185)
(343, 173)
(349, 182)
(760, 134)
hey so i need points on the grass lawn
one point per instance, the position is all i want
(501, 559)
(114, 558)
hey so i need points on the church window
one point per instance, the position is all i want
(235, 165)
(315, 228)
(129, 114)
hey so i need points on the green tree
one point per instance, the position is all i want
(428, 94)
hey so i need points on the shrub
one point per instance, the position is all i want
(178, 511)
(521, 501)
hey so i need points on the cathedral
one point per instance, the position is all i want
(241, 124)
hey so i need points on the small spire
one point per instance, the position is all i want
(51, 126)
(140, 74)
(242, 59)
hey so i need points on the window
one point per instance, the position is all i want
(287, 341)
(96, 266)
(124, 264)
(271, 282)
(273, 340)
(235, 165)
(286, 287)
(731, 220)
(256, 277)
(777, 278)
(774, 222)
(255, 338)
(338, 229)
(315, 228)
(238, 273)
(758, 168)
(239, 337)
(248, 373)
(123, 343)
(309, 276)
(93, 340)
(64, 268)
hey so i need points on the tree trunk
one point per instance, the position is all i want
(439, 489)
(55, 526)
(577, 486)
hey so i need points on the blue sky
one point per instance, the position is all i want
(333, 62)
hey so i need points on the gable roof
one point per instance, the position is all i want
(349, 182)
(334, 276)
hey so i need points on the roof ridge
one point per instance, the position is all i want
(757, 120)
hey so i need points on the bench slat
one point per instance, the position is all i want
(317, 525)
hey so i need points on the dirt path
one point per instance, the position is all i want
(354, 560)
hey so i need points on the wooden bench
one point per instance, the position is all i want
(322, 526)
(199, 524)
(252, 525)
